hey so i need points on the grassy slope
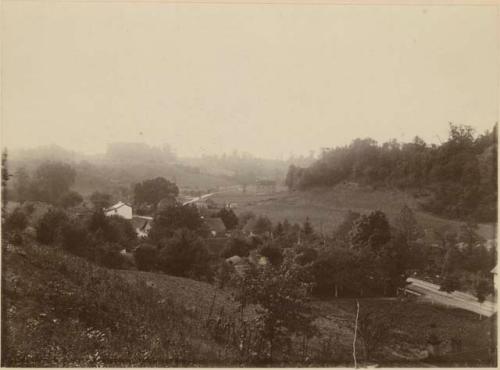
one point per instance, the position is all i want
(406, 340)
(64, 311)
(326, 207)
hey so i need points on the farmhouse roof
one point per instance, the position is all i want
(116, 206)
(140, 222)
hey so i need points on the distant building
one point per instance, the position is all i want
(119, 209)
(266, 186)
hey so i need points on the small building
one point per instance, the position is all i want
(266, 186)
(142, 225)
(119, 209)
(215, 226)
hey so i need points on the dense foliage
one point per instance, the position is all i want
(172, 218)
(460, 175)
(150, 192)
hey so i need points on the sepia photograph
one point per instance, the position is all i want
(249, 183)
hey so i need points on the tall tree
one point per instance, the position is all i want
(173, 218)
(371, 231)
(229, 218)
(184, 254)
(150, 192)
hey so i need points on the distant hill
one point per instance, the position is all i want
(114, 173)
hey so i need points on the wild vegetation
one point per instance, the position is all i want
(459, 175)
(276, 279)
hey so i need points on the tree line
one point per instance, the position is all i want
(458, 176)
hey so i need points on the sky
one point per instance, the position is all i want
(268, 79)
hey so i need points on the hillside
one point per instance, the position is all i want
(458, 176)
(60, 310)
(326, 207)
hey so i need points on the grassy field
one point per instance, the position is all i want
(327, 207)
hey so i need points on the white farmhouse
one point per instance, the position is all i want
(119, 209)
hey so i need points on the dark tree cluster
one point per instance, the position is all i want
(51, 182)
(460, 174)
(97, 237)
(151, 192)
(184, 253)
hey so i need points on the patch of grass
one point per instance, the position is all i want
(411, 324)
(327, 207)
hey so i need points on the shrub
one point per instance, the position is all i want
(272, 253)
(306, 255)
(282, 297)
(146, 257)
(75, 239)
(49, 226)
(184, 254)
(108, 255)
(449, 284)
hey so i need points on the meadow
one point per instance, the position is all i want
(327, 207)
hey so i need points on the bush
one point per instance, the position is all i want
(75, 239)
(49, 226)
(108, 255)
(184, 254)
(273, 254)
(306, 255)
(146, 257)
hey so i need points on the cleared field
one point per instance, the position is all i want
(327, 207)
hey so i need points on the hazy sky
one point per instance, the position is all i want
(269, 79)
